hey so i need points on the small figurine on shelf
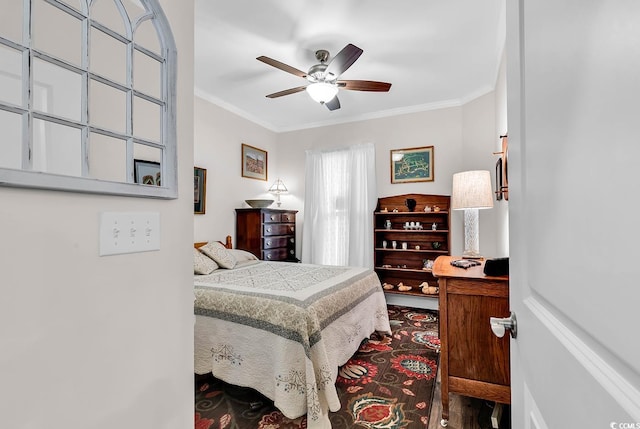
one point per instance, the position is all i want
(427, 209)
(387, 286)
(427, 264)
(384, 210)
(436, 209)
(384, 244)
(395, 210)
(387, 224)
(403, 288)
(428, 290)
(434, 226)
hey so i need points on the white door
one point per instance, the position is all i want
(573, 73)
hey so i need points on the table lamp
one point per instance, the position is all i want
(471, 191)
(278, 188)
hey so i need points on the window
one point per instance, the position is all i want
(86, 87)
(339, 199)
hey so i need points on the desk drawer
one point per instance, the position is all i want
(274, 242)
(278, 229)
(288, 217)
(275, 254)
(271, 217)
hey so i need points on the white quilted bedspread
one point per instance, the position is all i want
(285, 328)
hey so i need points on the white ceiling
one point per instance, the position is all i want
(435, 54)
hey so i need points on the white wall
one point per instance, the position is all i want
(479, 136)
(501, 207)
(443, 128)
(463, 138)
(100, 342)
(219, 135)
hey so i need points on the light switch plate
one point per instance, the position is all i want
(129, 232)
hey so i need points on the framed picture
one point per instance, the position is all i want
(412, 165)
(146, 172)
(199, 190)
(254, 162)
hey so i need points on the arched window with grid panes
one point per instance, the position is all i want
(87, 97)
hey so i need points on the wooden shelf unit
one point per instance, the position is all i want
(406, 265)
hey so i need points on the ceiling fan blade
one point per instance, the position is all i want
(286, 92)
(333, 104)
(364, 85)
(343, 60)
(282, 66)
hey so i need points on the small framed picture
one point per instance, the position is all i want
(254, 162)
(412, 165)
(146, 172)
(199, 190)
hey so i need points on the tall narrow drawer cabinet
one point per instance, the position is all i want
(270, 234)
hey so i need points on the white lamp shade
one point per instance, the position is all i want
(322, 92)
(278, 187)
(472, 190)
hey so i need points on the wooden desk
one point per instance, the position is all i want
(473, 361)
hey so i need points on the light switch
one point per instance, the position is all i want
(129, 232)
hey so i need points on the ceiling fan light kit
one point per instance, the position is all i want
(323, 80)
(322, 92)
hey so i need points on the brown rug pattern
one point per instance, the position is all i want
(388, 384)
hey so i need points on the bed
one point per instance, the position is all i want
(284, 328)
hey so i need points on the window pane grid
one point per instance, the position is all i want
(109, 32)
(82, 121)
(149, 53)
(67, 9)
(149, 98)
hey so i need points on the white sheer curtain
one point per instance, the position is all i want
(340, 197)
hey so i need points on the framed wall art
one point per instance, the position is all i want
(412, 165)
(146, 172)
(199, 190)
(254, 162)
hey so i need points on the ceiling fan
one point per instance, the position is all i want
(323, 77)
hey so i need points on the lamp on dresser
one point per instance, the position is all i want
(471, 191)
(278, 188)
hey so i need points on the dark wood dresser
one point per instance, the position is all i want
(473, 361)
(270, 234)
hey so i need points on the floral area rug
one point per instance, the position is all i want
(388, 384)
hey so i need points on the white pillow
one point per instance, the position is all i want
(202, 264)
(220, 254)
(247, 263)
(243, 255)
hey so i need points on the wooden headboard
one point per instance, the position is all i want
(228, 244)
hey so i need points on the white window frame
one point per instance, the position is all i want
(28, 178)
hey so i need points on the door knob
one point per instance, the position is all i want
(500, 325)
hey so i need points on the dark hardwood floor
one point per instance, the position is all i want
(465, 412)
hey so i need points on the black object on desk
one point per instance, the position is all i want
(497, 267)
